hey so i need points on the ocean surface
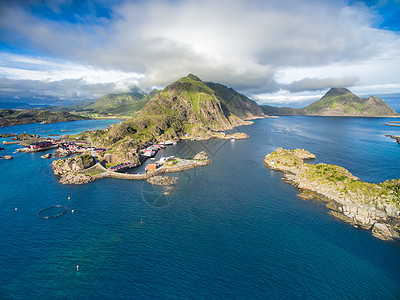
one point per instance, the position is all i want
(229, 230)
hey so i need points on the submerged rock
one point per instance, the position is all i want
(201, 156)
(381, 231)
(75, 179)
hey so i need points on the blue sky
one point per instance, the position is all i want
(283, 52)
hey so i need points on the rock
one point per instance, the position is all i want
(6, 135)
(121, 157)
(397, 138)
(60, 152)
(364, 205)
(201, 156)
(62, 167)
(307, 195)
(8, 157)
(75, 179)
(25, 136)
(381, 231)
(48, 155)
(162, 180)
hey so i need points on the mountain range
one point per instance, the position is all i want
(188, 105)
(191, 105)
(338, 102)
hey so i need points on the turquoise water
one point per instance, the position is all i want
(232, 229)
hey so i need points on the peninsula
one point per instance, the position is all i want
(338, 102)
(186, 109)
(84, 169)
(370, 206)
(10, 117)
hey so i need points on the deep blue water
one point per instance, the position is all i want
(232, 229)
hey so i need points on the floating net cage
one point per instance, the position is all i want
(52, 212)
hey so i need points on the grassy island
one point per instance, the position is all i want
(367, 205)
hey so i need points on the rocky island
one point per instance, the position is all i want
(370, 206)
(186, 109)
(397, 138)
(339, 102)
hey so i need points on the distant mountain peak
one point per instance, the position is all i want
(194, 77)
(337, 92)
(339, 102)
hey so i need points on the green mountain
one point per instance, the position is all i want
(186, 106)
(280, 111)
(236, 103)
(68, 108)
(123, 104)
(9, 117)
(339, 102)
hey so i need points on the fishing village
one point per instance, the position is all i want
(79, 161)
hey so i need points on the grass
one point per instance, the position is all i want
(94, 171)
(339, 179)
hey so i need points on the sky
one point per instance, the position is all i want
(283, 52)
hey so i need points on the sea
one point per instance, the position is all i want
(229, 230)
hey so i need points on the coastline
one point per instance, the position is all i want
(74, 176)
(374, 207)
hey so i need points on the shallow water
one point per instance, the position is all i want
(232, 229)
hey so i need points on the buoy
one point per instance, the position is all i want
(141, 221)
(69, 198)
(72, 211)
(15, 208)
(77, 268)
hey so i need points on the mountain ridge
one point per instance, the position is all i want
(339, 102)
(186, 106)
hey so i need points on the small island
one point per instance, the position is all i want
(370, 206)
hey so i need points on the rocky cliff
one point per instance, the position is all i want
(74, 164)
(370, 206)
(186, 106)
(235, 103)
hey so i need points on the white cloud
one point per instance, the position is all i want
(311, 84)
(254, 46)
(285, 98)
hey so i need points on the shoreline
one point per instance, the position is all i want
(369, 206)
(340, 116)
(81, 177)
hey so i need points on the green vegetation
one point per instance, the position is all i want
(335, 178)
(93, 171)
(286, 158)
(338, 102)
(280, 111)
(236, 103)
(123, 104)
(68, 108)
(87, 160)
(9, 117)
